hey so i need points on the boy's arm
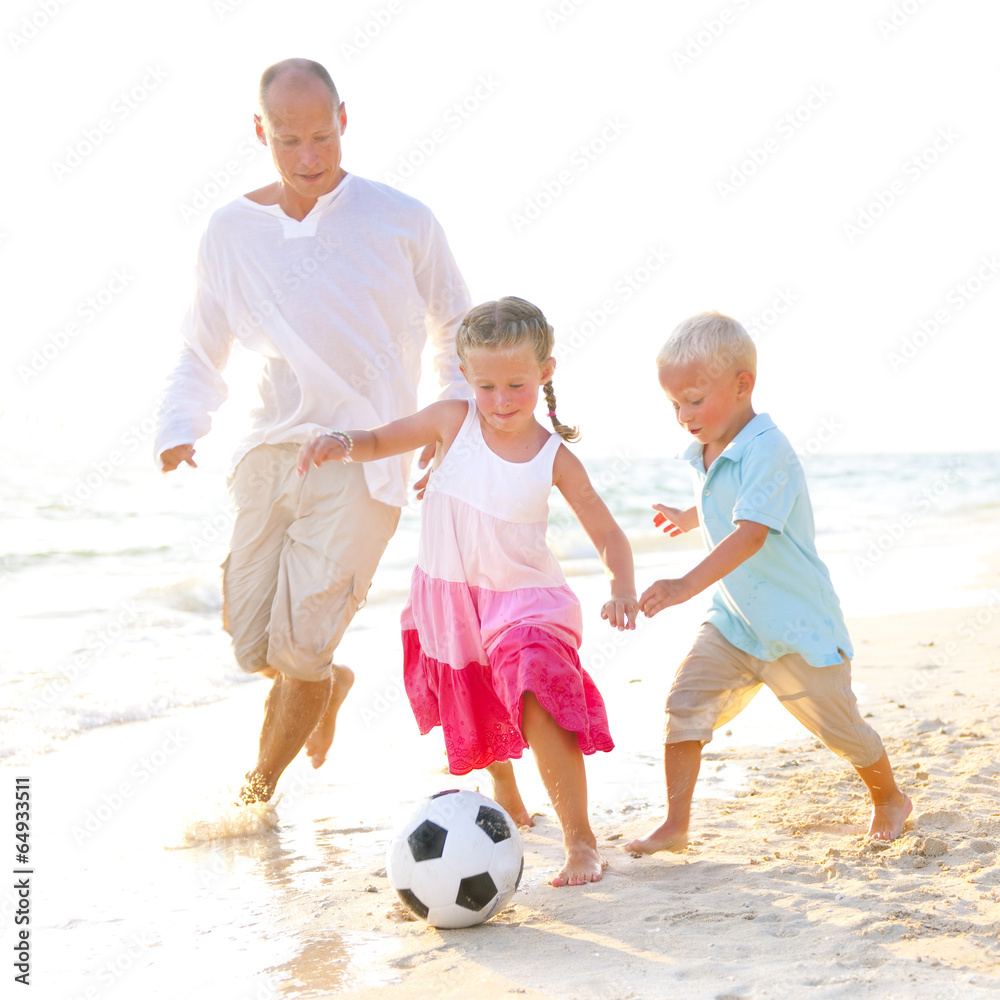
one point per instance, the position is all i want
(733, 550)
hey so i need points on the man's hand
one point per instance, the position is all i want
(664, 594)
(674, 520)
(425, 456)
(175, 456)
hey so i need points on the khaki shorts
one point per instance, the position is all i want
(716, 681)
(302, 556)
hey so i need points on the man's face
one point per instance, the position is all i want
(303, 128)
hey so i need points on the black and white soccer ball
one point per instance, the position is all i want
(457, 861)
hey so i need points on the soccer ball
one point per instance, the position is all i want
(457, 861)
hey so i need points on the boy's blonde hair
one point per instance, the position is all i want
(509, 323)
(711, 340)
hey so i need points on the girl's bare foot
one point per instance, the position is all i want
(583, 865)
(666, 837)
(888, 820)
(506, 794)
(320, 740)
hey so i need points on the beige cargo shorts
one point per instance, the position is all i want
(302, 557)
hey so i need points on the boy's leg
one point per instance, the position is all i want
(714, 683)
(681, 763)
(890, 807)
(821, 699)
(560, 764)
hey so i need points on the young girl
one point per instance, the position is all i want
(491, 630)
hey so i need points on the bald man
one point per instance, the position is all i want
(337, 282)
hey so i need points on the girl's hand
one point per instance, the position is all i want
(318, 450)
(621, 612)
(674, 520)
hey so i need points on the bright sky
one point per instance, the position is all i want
(825, 173)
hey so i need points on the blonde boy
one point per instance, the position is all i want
(775, 618)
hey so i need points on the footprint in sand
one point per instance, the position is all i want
(983, 846)
(943, 819)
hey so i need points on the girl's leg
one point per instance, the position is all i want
(681, 763)
(506, 793)
(560, 764)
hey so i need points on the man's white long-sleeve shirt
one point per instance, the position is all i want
(340, 305)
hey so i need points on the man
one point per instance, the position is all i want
(337, 282)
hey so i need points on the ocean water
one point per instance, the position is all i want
(109, 576)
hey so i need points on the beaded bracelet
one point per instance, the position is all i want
(346, 440)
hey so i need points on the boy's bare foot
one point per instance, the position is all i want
(506, 794)
(666, 837)
(888, 820)
(319, 741)
(583, 865)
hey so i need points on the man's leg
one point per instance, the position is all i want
(329, 554)
(320, 740)
(291, 712)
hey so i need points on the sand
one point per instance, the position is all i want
(779, 893)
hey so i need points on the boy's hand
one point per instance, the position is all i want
(674, 520)
(318, 450)
(621, 612)
(663, 594)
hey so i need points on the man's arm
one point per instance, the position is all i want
(731, 552)
(446, 300)
(195, 388)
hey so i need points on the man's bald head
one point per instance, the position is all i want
(294, 73)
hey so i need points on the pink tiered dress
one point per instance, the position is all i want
(489, 616)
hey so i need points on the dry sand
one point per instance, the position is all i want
(779, 894)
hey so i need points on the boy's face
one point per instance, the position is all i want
(713, 408)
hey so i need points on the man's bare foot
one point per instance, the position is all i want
(319, 741)
(888, 820)
(506, 794)
(666, 837)
(583, 866)
(255, 789)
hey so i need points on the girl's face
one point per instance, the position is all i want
(506, 385)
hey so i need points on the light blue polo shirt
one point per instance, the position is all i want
(780, 600)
